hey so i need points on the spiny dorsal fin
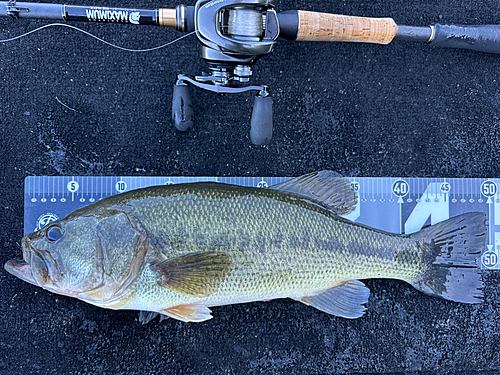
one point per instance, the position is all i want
(189, 313)
(345, 300)
(195, 274)
(326, 187)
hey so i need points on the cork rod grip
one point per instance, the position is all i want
(314, 26)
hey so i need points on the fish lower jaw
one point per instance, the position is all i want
(20, 269)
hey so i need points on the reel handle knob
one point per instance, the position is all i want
(182, 107)
(261, 124)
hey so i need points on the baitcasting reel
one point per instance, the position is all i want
(234, 34)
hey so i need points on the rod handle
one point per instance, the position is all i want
(314, 26)
(483, 38)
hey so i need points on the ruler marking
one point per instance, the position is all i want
(464, 190)
(376, 193)
(491, 219)
(401, 227)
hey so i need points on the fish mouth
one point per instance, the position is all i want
(21, 269)
(24, 270)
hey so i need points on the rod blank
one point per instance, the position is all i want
(413, 33)
(32, 10)
(160, 17)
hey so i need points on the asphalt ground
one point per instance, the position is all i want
(70, 105)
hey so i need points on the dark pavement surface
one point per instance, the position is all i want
(361, 110)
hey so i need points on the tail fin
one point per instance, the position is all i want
(451, 249)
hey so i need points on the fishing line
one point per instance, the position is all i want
(96, 37)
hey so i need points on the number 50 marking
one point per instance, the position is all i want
(488, 189)
(490, 259)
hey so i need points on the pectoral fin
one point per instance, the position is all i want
(189, 313)
(196, 274)
(326, 187)
(345, 301)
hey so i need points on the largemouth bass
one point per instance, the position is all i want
(178, 250)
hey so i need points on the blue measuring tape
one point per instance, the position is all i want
(396, 205)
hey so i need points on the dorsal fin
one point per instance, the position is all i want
(326, 187)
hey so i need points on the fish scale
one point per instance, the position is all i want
(261, 269)
(179, 249)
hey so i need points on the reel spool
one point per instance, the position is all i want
(234, 34)
(245, 24)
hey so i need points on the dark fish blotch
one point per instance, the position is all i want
(329, 244)
(299, 242)
(407, 256)
(380, 252)
(222, 241)
(243, 239)
(259, 243)
(277, 241)
(200, 240)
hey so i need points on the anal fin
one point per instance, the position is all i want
(345, 300)
(189, 313)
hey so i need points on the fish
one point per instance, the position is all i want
(179, 250)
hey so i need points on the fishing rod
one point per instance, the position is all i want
(234, 34)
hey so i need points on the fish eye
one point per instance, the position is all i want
(53, 233)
